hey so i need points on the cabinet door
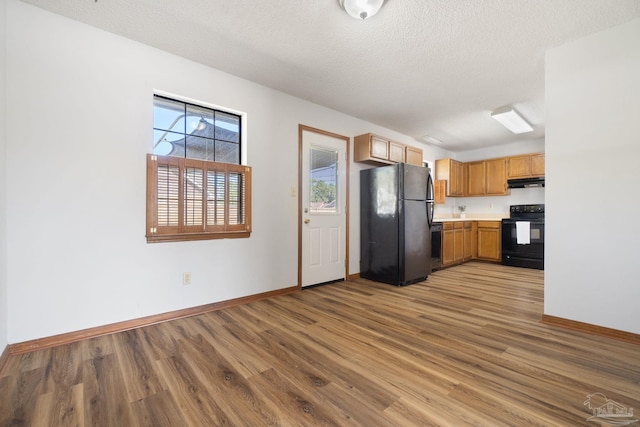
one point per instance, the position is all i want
(379, 148)
(458, 245)
(453, 172)
(496, 177)
(413, 155)
(537, 165)
(457, 178)
(396, 152)
(447, 247)
(489, 244)
(476, 186)
(468, 241)
(440, 190)
(519, 167)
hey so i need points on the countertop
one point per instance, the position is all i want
(469, 218)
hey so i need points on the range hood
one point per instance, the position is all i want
(525, 182)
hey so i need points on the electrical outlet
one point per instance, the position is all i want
(186, 278)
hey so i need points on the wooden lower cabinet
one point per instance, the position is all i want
(457, 242)
(468, 241)
(489, 241)
(463, 241)
(447, 244)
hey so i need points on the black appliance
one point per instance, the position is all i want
(436, 246)
(525, 182)
(396, 204)
(523, 237)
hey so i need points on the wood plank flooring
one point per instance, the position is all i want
(465, 347)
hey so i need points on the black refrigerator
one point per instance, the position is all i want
(396, 204)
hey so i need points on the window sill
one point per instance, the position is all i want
(185, 237)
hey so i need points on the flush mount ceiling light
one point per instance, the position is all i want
(361, 9)
(431, 140)
(510, 119)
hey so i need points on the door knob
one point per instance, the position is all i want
(307, 220)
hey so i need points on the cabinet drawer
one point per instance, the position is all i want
(489, 224)
(459, 224)
(447, 226)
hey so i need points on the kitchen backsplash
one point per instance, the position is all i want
(490, 206)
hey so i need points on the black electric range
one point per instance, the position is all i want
(523, 236)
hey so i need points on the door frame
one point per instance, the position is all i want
(347, 141)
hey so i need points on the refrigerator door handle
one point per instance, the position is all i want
(430, 195)
(430, 204)
(430, 208)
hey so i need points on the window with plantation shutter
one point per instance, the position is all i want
(196, 187)
(190, 199)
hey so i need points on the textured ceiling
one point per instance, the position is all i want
(419, 67)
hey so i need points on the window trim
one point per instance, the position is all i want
(214, 110)
(182, 232)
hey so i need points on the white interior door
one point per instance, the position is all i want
(323, 207)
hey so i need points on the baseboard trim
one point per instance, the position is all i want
(70, 337)
(353, 276)
(591, 329)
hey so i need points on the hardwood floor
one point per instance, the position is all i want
(466, 347)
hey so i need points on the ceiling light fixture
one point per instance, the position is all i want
(361, 9)
(431, 140)
(509, 118)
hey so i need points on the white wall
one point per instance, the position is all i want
(79, 125)
(4, 305)
(592, 166)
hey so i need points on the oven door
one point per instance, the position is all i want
(523, 255)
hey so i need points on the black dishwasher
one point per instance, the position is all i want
(436, 246)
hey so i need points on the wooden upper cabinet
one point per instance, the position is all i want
(487, 178)
(454, 173)
(519, 167)
(476, 179)
(379, 148)
(440, 191)
(537, 164)
(459, 178)
(525, 166)
(413, 155)
(370, 148)
(496, 177)
(396, 152)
